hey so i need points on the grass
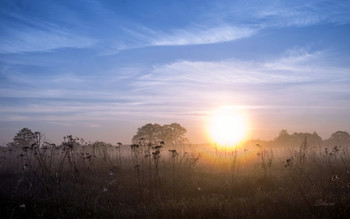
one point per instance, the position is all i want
(154, 181)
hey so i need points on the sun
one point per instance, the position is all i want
(227, 126)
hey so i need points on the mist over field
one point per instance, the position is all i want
(174, 109)
(299, 173)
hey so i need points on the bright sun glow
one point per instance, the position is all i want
(227, 126)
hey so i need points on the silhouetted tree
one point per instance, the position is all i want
(283, 138)
(149, 133)
(340, 138)
(172, 134)
(26, 138)
(295, 139)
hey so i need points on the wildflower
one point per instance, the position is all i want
(336, 149)
(105, 189)
(289, 162)
(173, 153)
(45, 147)
(157, 147)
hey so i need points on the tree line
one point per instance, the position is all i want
(286, 139)
(169, 135)
(174, 135)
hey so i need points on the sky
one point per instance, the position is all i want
(101, 69)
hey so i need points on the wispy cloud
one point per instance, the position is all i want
(219, 22)
(288, 13)
(34, 40)
(236, 21)
(140, 36)
(278, 81)
(288, 69)
(198, 35)
(184, 89)
(25, 31)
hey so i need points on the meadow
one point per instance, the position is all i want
(97, 180)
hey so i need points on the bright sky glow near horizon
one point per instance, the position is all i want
(101, 69)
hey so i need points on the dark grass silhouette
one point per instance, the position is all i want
(97, 180)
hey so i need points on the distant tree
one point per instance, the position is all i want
(26, 138)
(340, 138)
(154, 133)
(283, 137)
(295, 139)
(283, 132)
(173, 134)
(149, 133)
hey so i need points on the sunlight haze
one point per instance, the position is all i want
(227, 126)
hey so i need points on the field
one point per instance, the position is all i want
(81, 180)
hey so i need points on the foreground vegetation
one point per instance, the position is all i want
(97, 180)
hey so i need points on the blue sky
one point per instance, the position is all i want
(101, 69)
